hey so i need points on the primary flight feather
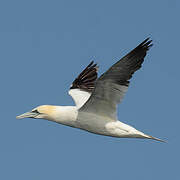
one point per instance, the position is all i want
(96, 98)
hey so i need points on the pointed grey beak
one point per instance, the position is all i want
(27, 115)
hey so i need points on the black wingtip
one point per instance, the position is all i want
(90, 64)
(86, 79)
(146, 44)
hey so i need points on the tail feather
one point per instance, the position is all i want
(156, 139)
(143, 135)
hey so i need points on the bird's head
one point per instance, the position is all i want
(40, 112)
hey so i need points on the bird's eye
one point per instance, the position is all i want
(35, 111)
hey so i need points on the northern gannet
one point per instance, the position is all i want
(96, 99)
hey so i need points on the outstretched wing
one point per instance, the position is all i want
(112, 85)
(84, 84)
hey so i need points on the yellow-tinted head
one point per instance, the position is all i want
(44, 111)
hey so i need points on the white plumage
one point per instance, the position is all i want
(96, 99)
(79, 97)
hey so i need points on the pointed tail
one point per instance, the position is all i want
(156, 139)
(153, 138)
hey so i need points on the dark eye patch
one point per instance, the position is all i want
(35, 111)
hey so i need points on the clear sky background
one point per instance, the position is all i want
(44, 45)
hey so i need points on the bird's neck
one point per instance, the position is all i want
(66, 115)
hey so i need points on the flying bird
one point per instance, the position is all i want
(96, 99)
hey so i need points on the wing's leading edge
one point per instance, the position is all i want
(112, 85)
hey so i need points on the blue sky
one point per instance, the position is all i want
(44, 45)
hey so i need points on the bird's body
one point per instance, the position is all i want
(69, 116)
(96, 99)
